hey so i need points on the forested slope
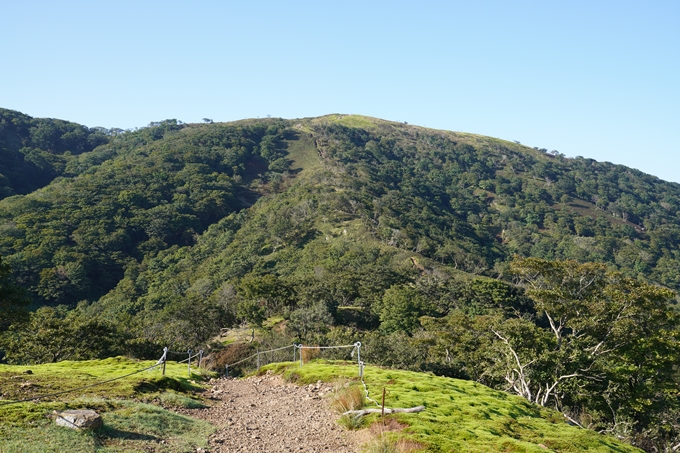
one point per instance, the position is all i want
(347, 227)
(162, 186)
(34, 151)
(465, 201)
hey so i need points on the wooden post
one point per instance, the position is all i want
(258, 360)
(301, 353)
(383, 407)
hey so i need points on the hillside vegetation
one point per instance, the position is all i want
(464, 255)
(34, 151)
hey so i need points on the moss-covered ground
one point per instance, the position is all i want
(461, 416)
(135, 409)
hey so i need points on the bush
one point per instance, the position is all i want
(347, 398)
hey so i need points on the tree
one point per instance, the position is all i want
(53, 334)
(604, 338)
(13, 299)
(310, 322)
(401, 308)
(266, 291)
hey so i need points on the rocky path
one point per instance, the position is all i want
(266, 414)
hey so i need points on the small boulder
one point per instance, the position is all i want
(78, 419)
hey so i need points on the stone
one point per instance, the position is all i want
(78, 419)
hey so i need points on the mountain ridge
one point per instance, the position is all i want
(556, 192)
(445, 252)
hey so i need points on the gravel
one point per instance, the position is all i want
(266, 414)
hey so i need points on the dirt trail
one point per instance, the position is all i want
(266, 414)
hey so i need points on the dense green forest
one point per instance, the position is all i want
(547, 276)
(34, 151)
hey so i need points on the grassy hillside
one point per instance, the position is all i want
(460, 415)
(132, 408)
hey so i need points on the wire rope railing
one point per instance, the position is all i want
(314, 351)
(261, 358)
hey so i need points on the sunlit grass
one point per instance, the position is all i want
(461, 415)
(128, 426)
(130, 422)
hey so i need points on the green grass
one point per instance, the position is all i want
(355, 121)
(272, 322)
(128, 426)
(459, 415)
(462, 415)
(302, 151)
(131, 423)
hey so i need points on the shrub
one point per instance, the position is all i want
(348, 399)
(309, 353)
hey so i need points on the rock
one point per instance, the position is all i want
(78, 419)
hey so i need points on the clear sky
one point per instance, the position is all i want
(598, 79)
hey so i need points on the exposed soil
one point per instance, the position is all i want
(266, 414)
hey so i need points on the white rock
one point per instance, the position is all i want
(78, 419)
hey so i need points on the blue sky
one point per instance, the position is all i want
(595, 79)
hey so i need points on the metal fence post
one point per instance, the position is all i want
(359, 362)
(200, 358)
(301, 346)
(294, 348)
(165, 358)
(226, 370)
(258, 360)
(189, 362)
